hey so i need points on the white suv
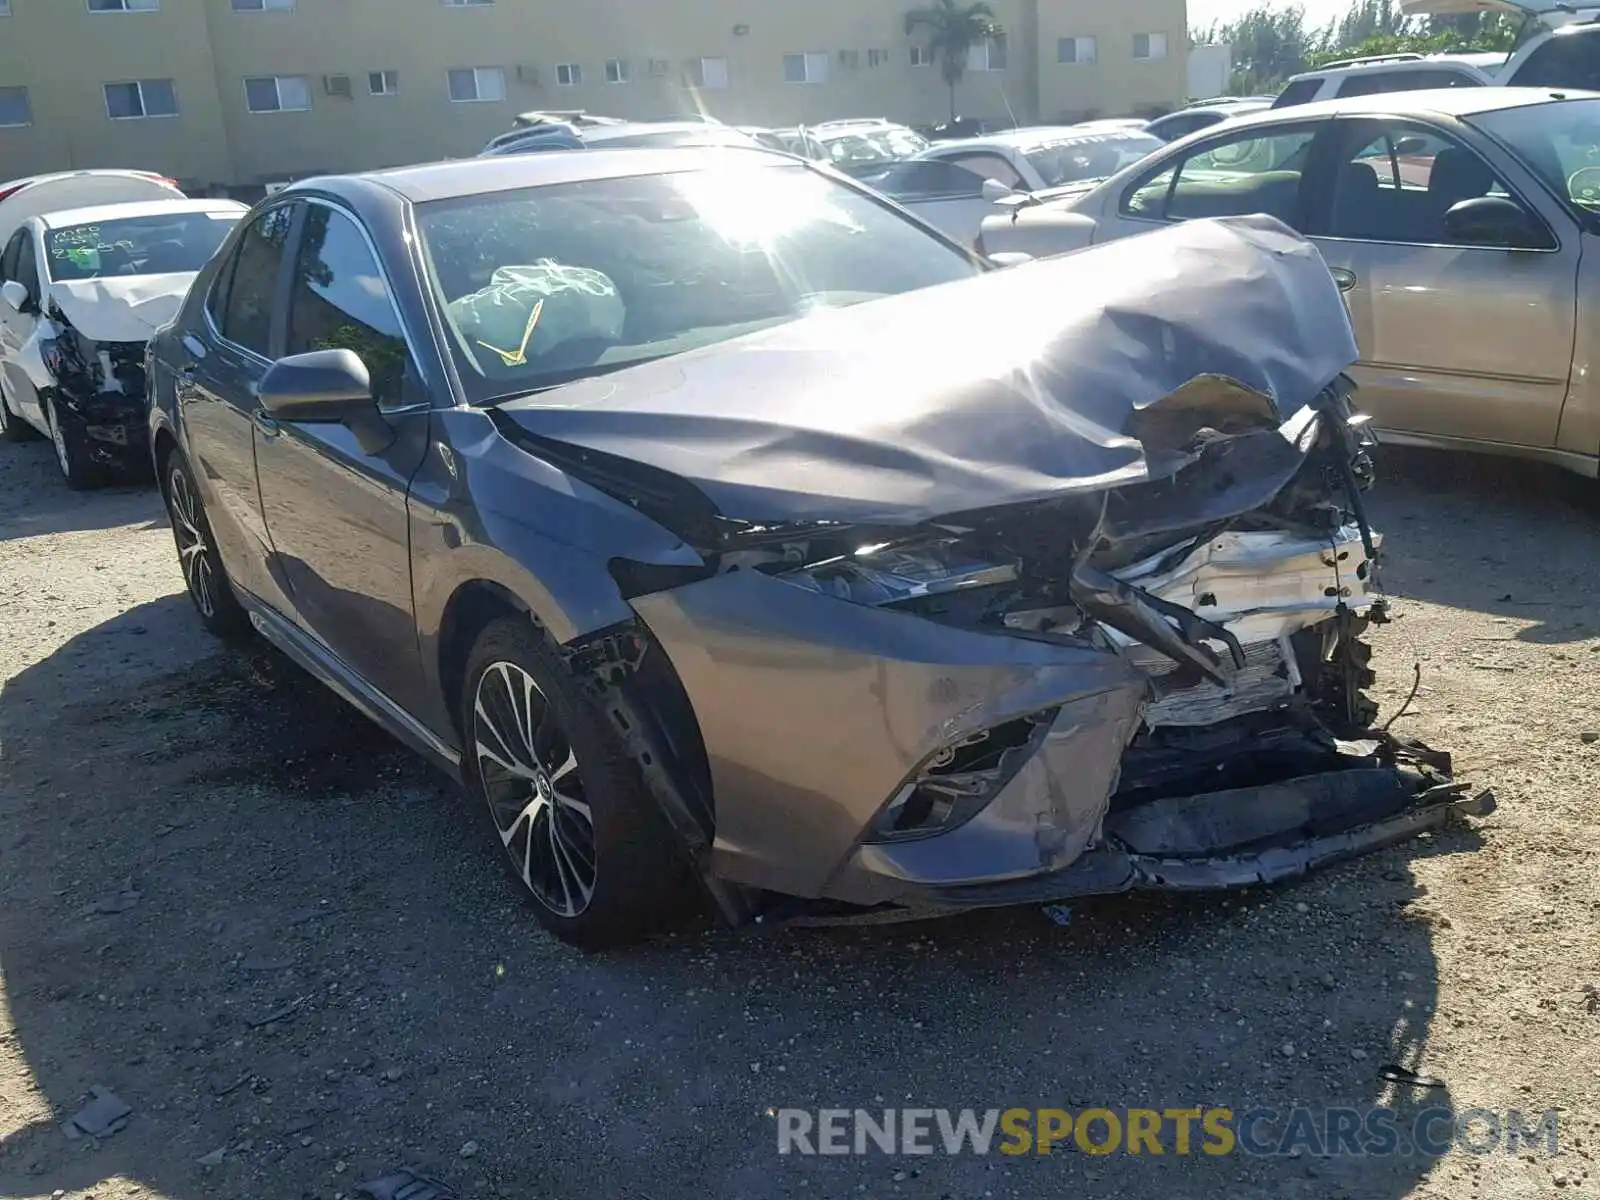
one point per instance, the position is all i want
(1385, 73)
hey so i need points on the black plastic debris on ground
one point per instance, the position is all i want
(101, 1117)
(405, 1185)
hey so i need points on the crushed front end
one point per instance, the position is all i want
(1161, 685)
(99, 392)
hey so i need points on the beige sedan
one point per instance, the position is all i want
(1463, 227)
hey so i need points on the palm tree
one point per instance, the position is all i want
(954, 29)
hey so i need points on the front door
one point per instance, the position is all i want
(1457, 341)
(223, 357)
(20, 263)
(335, 511)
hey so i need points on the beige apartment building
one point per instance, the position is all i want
(242, 93)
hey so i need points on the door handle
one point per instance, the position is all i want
(266, 423)
(1345, 279)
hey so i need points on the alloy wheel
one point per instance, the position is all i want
(193, 546)
(530, 774)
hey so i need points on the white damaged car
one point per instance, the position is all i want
(81, 293)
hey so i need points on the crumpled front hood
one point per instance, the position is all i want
(1016, 386)
(121, 309)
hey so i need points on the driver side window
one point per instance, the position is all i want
(1255, 171)
(11, 256)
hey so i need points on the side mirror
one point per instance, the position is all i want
(15, 295)
(1409, 146)
(1010, 258)
(1493, 221)
(994, 191)
(326, 387)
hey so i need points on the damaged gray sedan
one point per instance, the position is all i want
(728, 533)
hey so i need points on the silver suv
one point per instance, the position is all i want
(1386, 73)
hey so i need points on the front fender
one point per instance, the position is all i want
(484, 510)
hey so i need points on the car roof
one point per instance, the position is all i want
(1384, 63)
(137, 208)
(1435, 102)
(1028, 139)
(479, 176)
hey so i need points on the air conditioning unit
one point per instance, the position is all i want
(337, 85)
(528, 75)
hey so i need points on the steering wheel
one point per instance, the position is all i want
(1583, 185)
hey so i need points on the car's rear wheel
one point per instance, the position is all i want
(72, 450)
(581, 835)
(203, 573)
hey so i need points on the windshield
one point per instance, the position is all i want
(1083, 158)
(1559, 142)
(161, 244)
(864, 151)
(549, 284)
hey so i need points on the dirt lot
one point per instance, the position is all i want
(194, 842)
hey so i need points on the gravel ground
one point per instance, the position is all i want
(285, 944)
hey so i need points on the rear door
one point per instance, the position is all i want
(335, 511)
(1457, 341)
(221, 360)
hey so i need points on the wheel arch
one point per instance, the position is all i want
(469, 610)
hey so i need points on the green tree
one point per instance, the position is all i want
(954, 29)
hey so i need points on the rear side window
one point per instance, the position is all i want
(1372, 83)
(1301, 91)
(929, 177)
(251, 281)
(1250, 172)
(1570, 61)
(12, 256)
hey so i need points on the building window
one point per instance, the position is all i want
(469, 85)
(849, 60)
(617, 70)
(124, 6)
(5, 8)
(1076, 50)
(14, 108)
(658, 68)
(568, 74)
(1149, 45)
(811, 67)
(709, 73)
(383, 83)
(921, 56)
(263, 5)
(141, 98)
(277, 93)
(467, 3)
(877, 58)
(988, 55)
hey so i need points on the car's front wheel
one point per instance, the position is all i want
(203, 573)
(581, 835)
(72, 450)
(12, 427)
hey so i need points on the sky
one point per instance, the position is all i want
(1319, 13)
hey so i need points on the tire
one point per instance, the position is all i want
(72, 451)
(204, 576)
(12, 427)
(583, 838)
